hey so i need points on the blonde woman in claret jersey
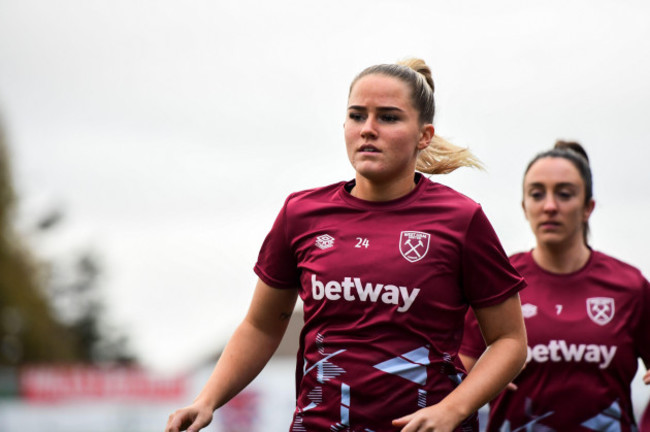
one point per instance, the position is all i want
(386, 265)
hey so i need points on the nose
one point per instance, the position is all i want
(550, 206)
(368, 130)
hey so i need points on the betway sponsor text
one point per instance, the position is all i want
(560, 350)
(352, 288)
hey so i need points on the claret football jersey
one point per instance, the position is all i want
(385, 288)
(586, 331)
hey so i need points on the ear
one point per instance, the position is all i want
(523, 207)
(426, 135)
(589, 208)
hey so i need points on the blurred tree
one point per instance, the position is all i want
(73, 291)
(28, 330)
(49, 311)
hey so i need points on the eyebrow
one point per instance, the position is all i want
(562, 184)
(380, 109)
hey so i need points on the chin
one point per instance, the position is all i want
(370, 172)
(551, 240)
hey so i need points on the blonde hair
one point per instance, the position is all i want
(441, 156)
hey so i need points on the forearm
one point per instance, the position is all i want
(251, 345)
(249, 349)
(245, 355)
(497, 366)
(503, 329)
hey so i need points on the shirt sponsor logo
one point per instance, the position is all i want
(560, 350)
(528, 310)
(352, 288)
(414, 245)
(600, 309)
(324, 241)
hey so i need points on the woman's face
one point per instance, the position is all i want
(554, 201)
(383, 134)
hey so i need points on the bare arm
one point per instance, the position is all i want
(503, 329)
(470, 361)
(467, 361)
(249, 349)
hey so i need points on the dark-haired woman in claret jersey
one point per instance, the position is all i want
(586, 313)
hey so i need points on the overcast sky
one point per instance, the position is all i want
(170, 132)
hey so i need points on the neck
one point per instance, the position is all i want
(368, 190)
(560, 258)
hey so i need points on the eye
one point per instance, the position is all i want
(355, 116)
(565, 195)
(389, 118)
(536, 194)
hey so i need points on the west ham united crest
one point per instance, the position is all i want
(600, 309)
(414, 245)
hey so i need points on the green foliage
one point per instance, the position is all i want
(28, 331)
(32, 328)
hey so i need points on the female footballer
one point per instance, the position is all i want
(586, 313)
(386, 265)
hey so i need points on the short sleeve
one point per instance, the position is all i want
(276, 263)
(488, 277)
(643, 332)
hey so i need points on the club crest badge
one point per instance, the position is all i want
(414, 245)
(600, 309)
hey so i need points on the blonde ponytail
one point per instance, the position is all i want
(443, 157)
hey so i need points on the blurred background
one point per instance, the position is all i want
(147, 146)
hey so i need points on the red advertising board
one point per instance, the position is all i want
(52, 383)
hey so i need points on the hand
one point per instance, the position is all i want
(646, 377)
(429, 419)
(512, 386)
(192, 418)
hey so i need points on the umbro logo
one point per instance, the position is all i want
(324, 241)
(528, 310)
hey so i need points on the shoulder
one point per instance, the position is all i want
(520, 258)
(447, 197)
(442, 191)
(618, 271)
(451, 210)
(526, 266)
(313, 200)
(314, 194)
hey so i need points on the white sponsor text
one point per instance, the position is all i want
(351, 289)
(559, 350)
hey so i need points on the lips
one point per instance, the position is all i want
(368, 148)
(549, 225)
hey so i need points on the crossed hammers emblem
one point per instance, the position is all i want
(414, 245)
(414, 248)
(600, 309)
